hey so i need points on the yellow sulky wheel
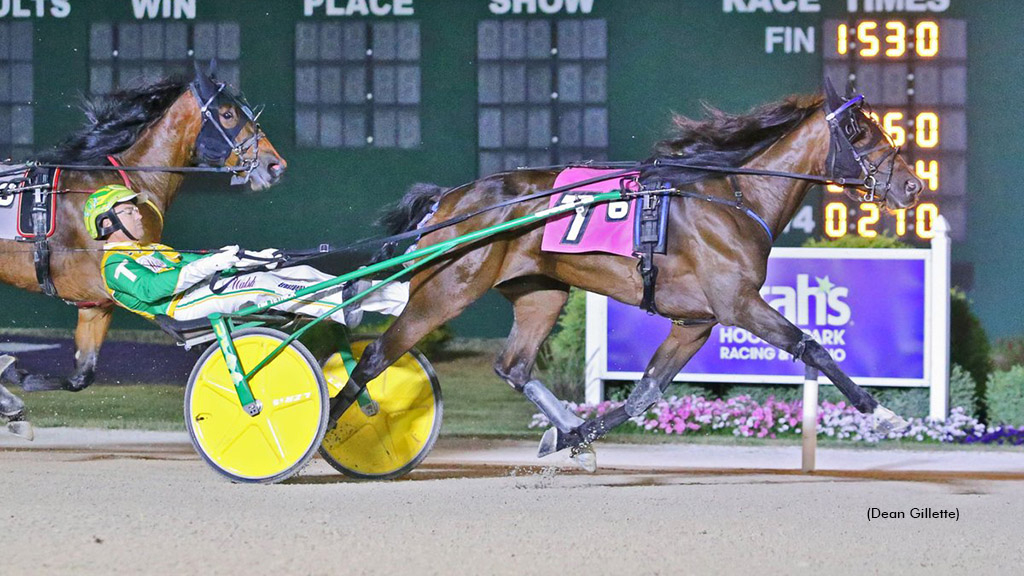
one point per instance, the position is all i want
(396, 439)
(280, 440)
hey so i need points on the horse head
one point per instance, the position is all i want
(863, 158)
(231, 135)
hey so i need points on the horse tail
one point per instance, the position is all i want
(412, 208)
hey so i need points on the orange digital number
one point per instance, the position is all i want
(898, 39)
(835, 219)
(926, 39)
(926, 128)
(924, 217)
(868, 39)
(865, 223)
(928, 172)
(901, 222)
(891, 124)
(842, 39)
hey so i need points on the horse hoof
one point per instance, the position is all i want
(76, 384)
(887, 421)
(548, 443)
(22, 429)
(6, 361)
(586, 458)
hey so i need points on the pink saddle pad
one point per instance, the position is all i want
(606, 227)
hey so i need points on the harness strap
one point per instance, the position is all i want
(40, 227)
(46, 182)
(738, 194)
(128, 184)
(713, 199)
(41, 252)
(839, 181)
(124, 175)
(650, 211)
(649, 275)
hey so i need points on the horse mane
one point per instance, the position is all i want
(722, 139)
(114, 122)
(411, 209)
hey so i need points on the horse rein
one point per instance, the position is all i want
(219, 138)
(868, 182)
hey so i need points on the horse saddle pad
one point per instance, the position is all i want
(23, 192)
(611, 227)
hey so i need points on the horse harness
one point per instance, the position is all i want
(847, 164)
(651, 233)
(40, 220)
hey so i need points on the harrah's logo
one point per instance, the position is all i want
(825, 300)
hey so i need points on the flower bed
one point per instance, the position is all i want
(742, 416)
(997, 435)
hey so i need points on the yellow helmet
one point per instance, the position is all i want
(101, 205)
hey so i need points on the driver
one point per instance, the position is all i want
(152, 279)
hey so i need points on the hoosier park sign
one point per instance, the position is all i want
(882, 314)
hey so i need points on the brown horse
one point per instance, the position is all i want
(713, 270)
(174, 123)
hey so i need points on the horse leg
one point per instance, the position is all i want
(536, 308)
(675, 351)
(765, 322)
(89, 334)
(12, 408)
(442, 295)
(92, 328)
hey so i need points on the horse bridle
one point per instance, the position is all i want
(849, 163)
(216, 144)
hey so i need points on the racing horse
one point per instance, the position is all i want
(733, 183)
(162, 130)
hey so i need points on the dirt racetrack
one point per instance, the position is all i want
(161, 511)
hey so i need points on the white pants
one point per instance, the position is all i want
(258, 288)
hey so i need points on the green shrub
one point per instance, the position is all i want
(968, 343)
(883, 240)
(963, 391)
(1007, 353)
(907, 402)
(1004, 396)
(761, 392)
(681, 389)
(563, 355)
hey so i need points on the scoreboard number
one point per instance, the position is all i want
(889, 39)
(803, 221)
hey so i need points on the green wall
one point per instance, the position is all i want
(664, 56)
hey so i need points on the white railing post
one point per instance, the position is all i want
(938, 309)
(596, 349)
(809, 427)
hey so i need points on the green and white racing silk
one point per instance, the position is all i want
(151, 279)
(145, 278)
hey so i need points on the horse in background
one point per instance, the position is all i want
(711, 274)
(173, 123)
